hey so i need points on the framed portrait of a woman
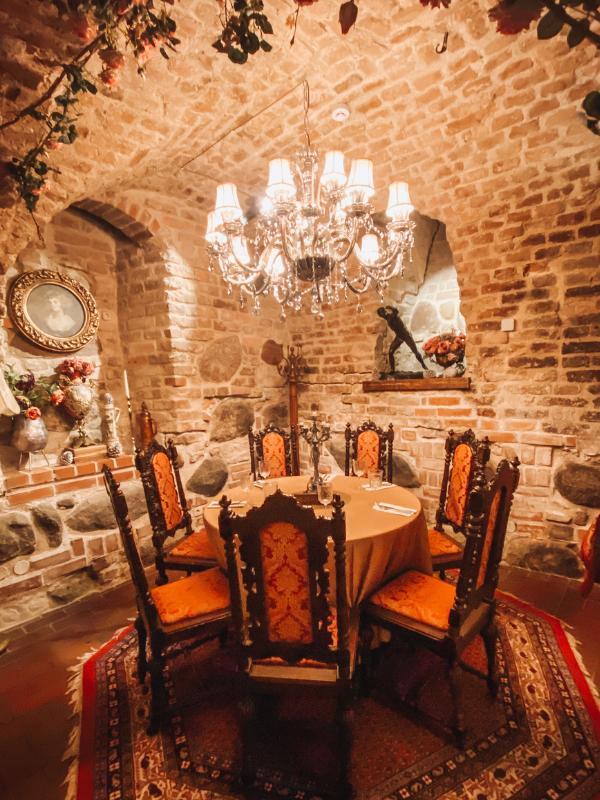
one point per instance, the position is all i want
(53, 310)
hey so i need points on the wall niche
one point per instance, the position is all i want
(427, 297)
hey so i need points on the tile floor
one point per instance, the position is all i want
(34, 714)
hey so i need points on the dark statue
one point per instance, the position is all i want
(401, 335)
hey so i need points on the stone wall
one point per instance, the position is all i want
(199, 363)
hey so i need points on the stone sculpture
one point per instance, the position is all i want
(401, 335)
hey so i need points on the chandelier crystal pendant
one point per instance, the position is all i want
(315, 237)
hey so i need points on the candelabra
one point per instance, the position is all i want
(314, 437)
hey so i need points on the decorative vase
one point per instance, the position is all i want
(29, 436)
(77, 402)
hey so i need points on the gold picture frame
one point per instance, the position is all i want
(53, 310)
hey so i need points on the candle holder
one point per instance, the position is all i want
(314, 436)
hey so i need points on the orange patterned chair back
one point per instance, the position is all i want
(463, 453)
(275, 446)
(371, 446)
(163, 489)
(277, 564)
(488, 510)
(590, 555)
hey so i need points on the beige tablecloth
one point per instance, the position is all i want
(378, 545)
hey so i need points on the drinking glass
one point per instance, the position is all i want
(269, 487)
(375, 478)
(359, 468)
(263, 468)
(325, 493)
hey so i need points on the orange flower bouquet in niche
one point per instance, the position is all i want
(447, 349)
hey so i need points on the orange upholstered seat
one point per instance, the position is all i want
(201, 594)
(196, 545)
(418, 597)
(442, 545)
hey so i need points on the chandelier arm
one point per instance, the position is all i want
(357, 290)
(246, 268)
(285, 248)
(345, 255)
(380, 265)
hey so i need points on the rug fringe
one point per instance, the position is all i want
(575, 644)
(74, 695)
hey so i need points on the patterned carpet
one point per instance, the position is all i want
(540, 740)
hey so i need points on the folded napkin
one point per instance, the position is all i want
(399, 510)
(384, 485)
(234, 504)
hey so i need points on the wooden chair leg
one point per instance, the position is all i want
(366, 660)
(247, 709)
(344, 718)
(161, 572)
(142, 661)
(458, 717)
(158, 701)
(490, 636)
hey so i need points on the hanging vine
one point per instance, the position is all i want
(109, 28)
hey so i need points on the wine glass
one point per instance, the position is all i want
(325, 493)
(263, 468)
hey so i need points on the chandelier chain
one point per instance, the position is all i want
(306, 110)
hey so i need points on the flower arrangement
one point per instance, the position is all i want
(31, 393)
(446, 348)
(74, 370)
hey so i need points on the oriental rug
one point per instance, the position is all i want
(539, 740)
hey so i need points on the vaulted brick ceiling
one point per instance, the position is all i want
(483, 116)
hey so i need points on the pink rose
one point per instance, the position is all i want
(57, 397)
(33, 413)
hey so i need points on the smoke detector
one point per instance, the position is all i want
(340, 113)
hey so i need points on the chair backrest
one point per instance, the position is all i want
(275, 446)
(138, 576)
(463, 452)
(163, 489)
(488, 510)
(590, 555)
(277, 565)
(370, 445)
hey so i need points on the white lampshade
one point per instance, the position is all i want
(369, 249)
(360, 181)
(281, 187)
(399, 204)
(212, 235)
(334, 176)
(227, 205)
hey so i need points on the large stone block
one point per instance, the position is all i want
(579, 483)
(403, 473)
(543, 556)
(230, 420)
(209, 478)
(95, 512)
(16, 535)
(221, 359)
(277, 413)
(49, 520)
(71, 587)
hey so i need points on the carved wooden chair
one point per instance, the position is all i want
(195, 609)
(169, 513)
(275, 446)
(429, 612)
(289, 630)
(370, 445)
(590, 555)
(463, 452)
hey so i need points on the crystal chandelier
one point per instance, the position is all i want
(314, 238)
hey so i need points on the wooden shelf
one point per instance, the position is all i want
(418, 385)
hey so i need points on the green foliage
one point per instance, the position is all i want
(107, 27)
(244, 29)
(29, 390)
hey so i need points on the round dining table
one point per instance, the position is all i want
(379, 544)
